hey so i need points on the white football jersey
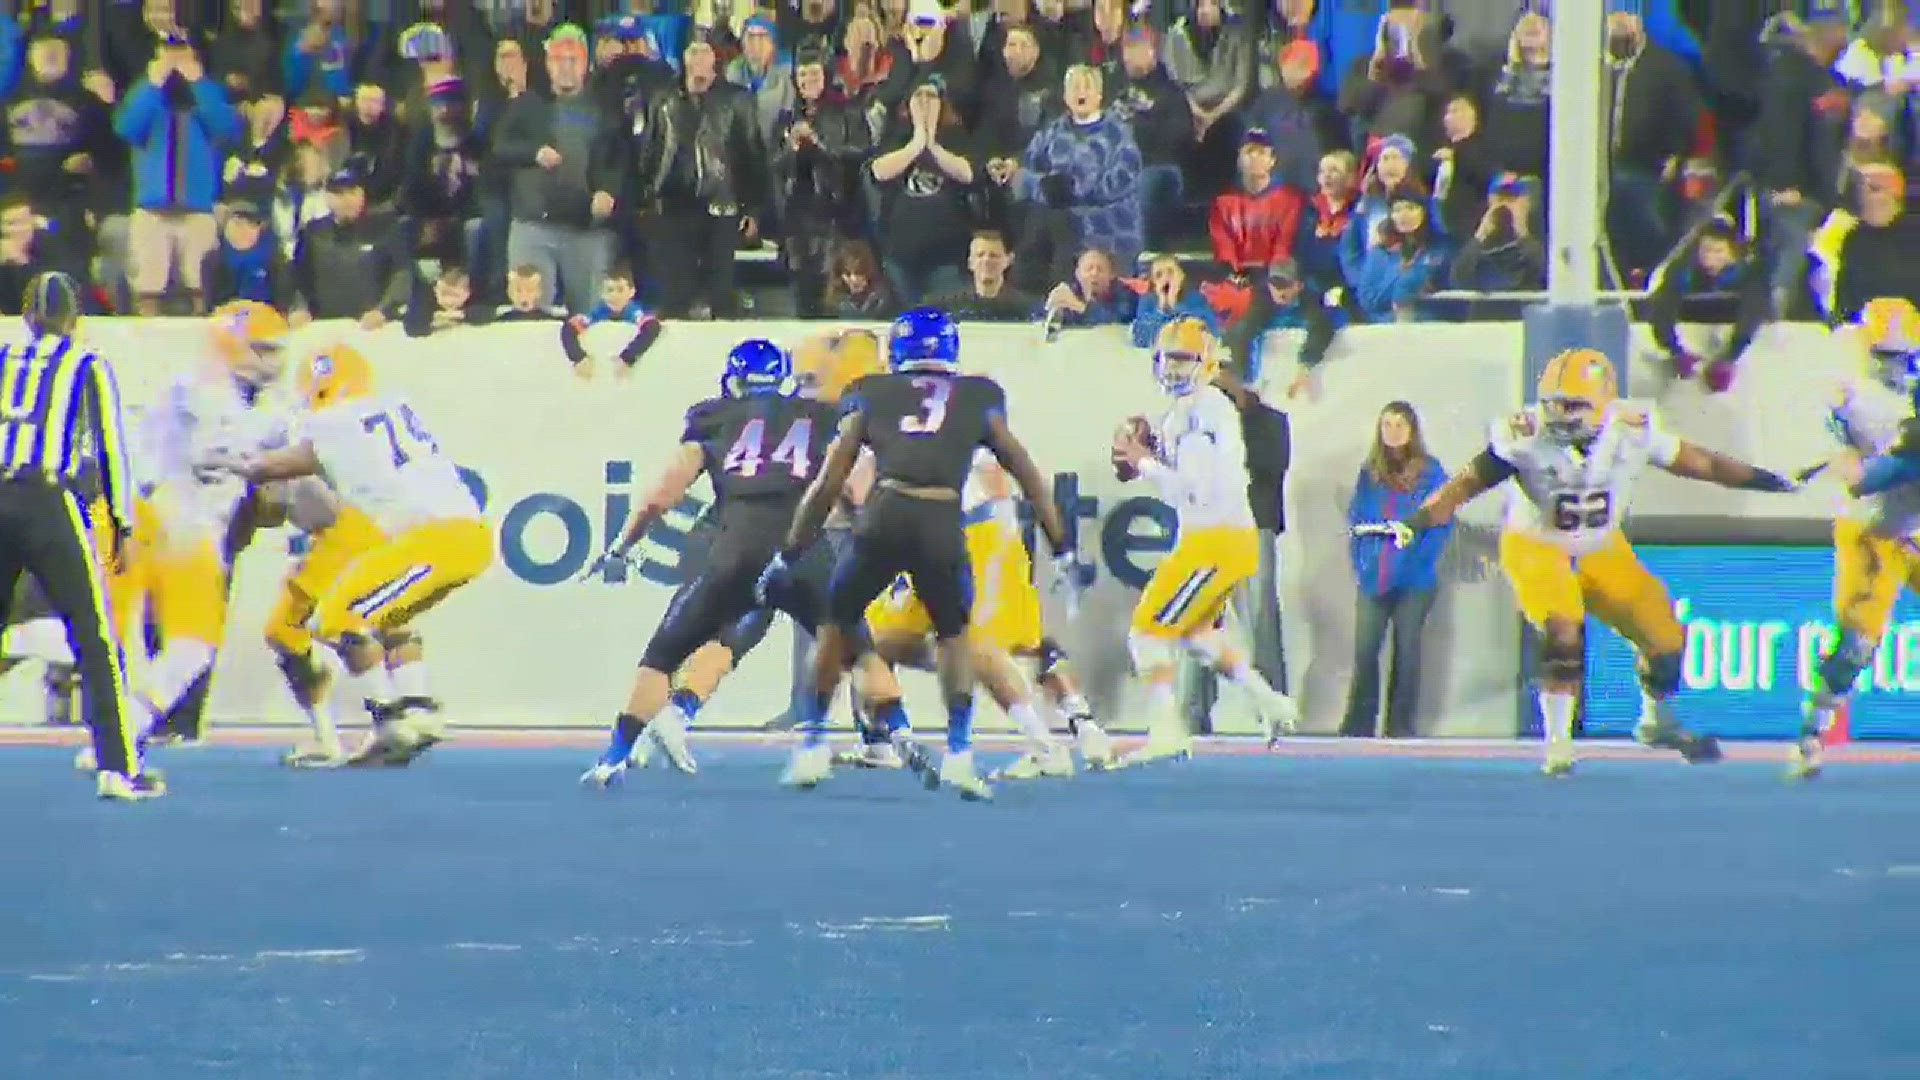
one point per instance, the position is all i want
(1866, 417)
(1205, 454)
(1577, 498)
(206, 418)
(379, 457)
(978, 503)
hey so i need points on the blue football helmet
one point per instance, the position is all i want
(757, 366)
(924, 338)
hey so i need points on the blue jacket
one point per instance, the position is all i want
(1383, 284)
(330, 68)
(177, 155)
(1149, 317)
(13, 54)
(1379, 567)
(1118, 306)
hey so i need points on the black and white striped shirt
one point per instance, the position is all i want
(60, 411)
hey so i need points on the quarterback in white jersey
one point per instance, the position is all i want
(1875, 555)
(378, 456)
(1196, 457)
(1574, 458)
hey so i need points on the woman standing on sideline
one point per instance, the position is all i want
(1396, 586)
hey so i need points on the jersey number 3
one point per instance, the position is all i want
(935, 394)
(409, 432)
(1575, 510)
(748, 452)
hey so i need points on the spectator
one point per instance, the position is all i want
(255, 161)
(1804, 118)
(1289, 23)
(1166, 297)
(29, 245)
(1212, 60)
(1324, 220)
(1720, 283)
(1883, 56)
(1255, 226)
(1870, 141)
(1107, 40)
(1505, 253)
(1397, 586)
(55, 130)
(1282, 300)
(527, 298)
(764, 74)
(925, 215)
(1875, 257)
(991, 297)
(244, 53)
(819, 147)
(1464, 169)
(1405, 263)
(1399, 87)
(1301, 124)
(494, 191)
(812, 25)
(377, 138)
(129, 40)
(1086, 165)
(920, 52)
(247, 264)
(1391, 177)
(446, 304)
(1004, 16)
(11, 43)
(856, 289)
(177, 120)
(619, 303)
(441, 178)
(320, 53)
(1655, 113)
(627, 64)
(355, 264)
(1144, 96)
(567, 162)
(1094, 296)
(864, 66)
(702, 179)
(299, 199)
(1519, 101)
(1016, 102)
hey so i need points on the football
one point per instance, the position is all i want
(1139, 429)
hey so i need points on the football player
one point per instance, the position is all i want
(760, 445)
(381, 458)
(1197, 459)
(211, 413)
(1005, 622)
(923, 421)
(1874, 552)
(1573, 458)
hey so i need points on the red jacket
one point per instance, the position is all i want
(1251, 231)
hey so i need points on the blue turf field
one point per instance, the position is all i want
(482, 918)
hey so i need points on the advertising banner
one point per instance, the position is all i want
(560, 462)
(1757, 619)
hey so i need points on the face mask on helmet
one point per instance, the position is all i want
(1897, 369)
(1569, 420)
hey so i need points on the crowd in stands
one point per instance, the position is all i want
(1303, 165)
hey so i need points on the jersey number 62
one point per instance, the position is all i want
(1574, 510)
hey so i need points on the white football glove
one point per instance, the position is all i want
(1398, 531)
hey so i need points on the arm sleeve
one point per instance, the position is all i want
(110, 443)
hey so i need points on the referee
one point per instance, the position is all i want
(59, 405)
